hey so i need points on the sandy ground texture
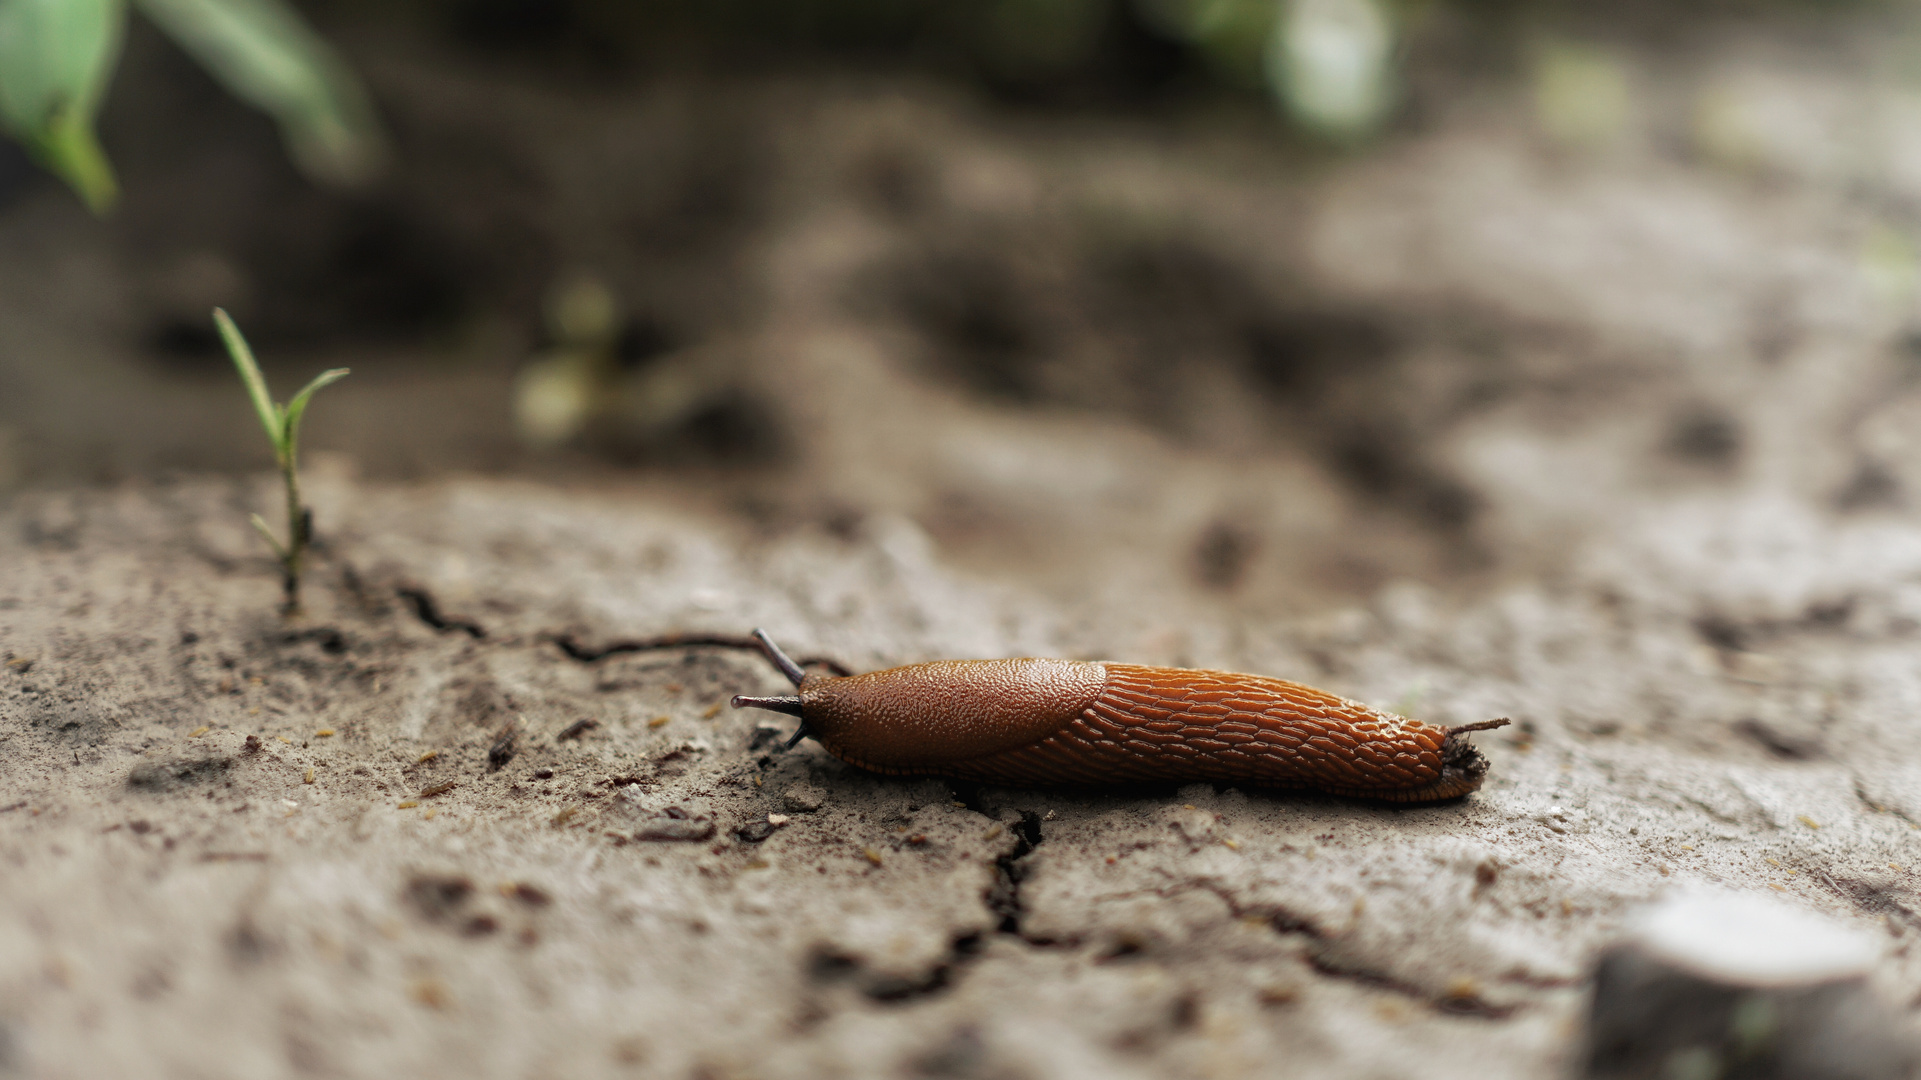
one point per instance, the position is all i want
(1620, 444)
(379, 839)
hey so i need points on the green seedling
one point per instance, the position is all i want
(283, 430)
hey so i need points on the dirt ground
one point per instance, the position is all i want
(1620, 443)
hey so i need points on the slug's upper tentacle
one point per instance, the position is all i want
(780, 659)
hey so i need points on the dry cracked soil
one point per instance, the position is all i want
(1623, 449)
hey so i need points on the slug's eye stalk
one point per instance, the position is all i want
(787, 667)
(788, 705)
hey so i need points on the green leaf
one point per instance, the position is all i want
(266, 55)
(69, 149)
(260, 524)
(270, 414)
(56, 58)
(298, 406)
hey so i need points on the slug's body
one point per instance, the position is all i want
(1052, 722)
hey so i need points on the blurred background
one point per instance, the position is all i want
(1267, 303)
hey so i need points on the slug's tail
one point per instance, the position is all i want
(788, 705)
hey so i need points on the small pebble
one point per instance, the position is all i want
(753, 832)
(674, 824)
(803, 798)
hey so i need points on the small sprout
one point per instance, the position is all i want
(309, 776)
(406, 804)
(282, 423)
(199, 731)
(323, 733)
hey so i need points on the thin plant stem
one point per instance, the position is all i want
(282, 424)
(299, 525)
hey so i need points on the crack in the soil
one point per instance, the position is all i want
(588, 654)
(1321, 942)
(1002, 898)
(904, 989)
(1004, 895)
(1468, 1005)
(428, 611)
(331, 640)
(1861, 793)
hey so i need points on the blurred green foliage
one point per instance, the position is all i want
(57, 58)
(1332, 67)
(1330, 64)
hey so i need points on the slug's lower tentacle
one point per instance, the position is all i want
(789, 705)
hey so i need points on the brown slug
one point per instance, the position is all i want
(1040, 723)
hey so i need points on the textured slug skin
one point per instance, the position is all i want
(1052, 722)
